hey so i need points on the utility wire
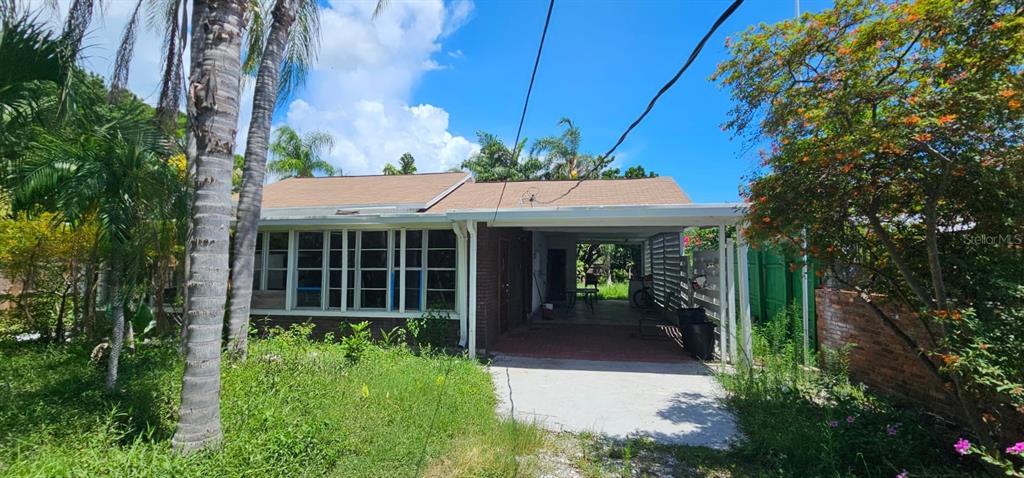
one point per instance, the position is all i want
(526, 103)
(693, 56)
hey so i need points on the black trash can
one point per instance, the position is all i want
(698, 333)
(699, 340)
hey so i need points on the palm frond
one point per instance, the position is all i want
(125, 52)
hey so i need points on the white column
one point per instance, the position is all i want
(806, 301)
(730, 264)
(744, 287)
(723, 300)
(344, 269)
(289, 292)
(460, 282)
(471, 225)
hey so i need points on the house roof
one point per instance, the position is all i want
(417, 192)
(549, 194)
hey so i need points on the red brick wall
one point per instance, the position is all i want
(879, 358)
(487, 286)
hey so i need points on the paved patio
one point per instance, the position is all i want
(675, 403)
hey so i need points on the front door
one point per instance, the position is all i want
(504, 284)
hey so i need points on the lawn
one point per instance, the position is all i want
(295, 408)
(613, 291)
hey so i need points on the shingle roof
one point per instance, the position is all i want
(359, 191)
(594, 192)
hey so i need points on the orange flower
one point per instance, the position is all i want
(946, 119)
(1013, 104)
(955, 315)
(843, 51)
(950, 359)
(997, 25)
(922, 137)
(1007, 93)
(766, 219)
(847, 167)
(912, 120)
(983, 346)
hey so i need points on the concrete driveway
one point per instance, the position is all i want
(674, 403)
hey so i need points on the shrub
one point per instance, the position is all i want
(430, 330)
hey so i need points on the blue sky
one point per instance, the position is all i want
(428, 74)
(602, 63)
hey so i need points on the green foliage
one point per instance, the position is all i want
(632, 172)
(799, 421)
(406, 165)
(430, 330)
(296, 156)
(896, 134)
(496, 162)
(562, 158)
(294, 408)
(358, 339)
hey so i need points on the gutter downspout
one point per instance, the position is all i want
(461, 288)
(471, 226)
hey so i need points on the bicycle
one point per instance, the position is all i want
(644, 298)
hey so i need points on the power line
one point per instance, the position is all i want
(693, 56)
(526, 103)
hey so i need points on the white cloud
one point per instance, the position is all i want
(359, 90)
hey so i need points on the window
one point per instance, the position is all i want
(335, 270)
(373, 270)
(257, 264)
(441, 269)
(270, 271)
(413, 270)
(363, 270)
(309, 269)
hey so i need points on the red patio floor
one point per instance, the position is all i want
(593, 342)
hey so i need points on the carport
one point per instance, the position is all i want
(555, 231)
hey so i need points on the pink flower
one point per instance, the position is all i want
(850, 419)
(1016, 449)
(893, 429)
(962, 446)
(903, 474)
(833, 423)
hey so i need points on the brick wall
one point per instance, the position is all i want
(324, 325)
(488, 327)
(879, 358)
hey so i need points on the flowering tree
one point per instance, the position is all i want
(896, 145)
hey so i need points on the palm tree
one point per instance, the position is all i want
(287, 54)
(108, 167)
(406, 165)
(496, 162)
(214, 89)
(562, 158)
(300, 156)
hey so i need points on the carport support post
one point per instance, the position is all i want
(471, 226)
(730, 264)
(744, 286)
(723, 303)
(460, 280)
(806, 302)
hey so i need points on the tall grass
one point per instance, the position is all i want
(295, 408)
(814, 421)
(613, 291)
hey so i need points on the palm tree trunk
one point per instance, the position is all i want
(250, 198)
(213, 96)
(117, 312)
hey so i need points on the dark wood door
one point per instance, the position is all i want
(556, 275)
(504, 284)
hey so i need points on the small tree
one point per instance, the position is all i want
(895, 136)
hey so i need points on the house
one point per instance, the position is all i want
(387, 248)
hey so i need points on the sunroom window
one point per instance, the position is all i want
(384, 270)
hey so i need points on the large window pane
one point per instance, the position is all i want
(309, 274)
(375, 240)
(374, 259)
(443, 299)
(441, 239)
(374, 299)
(374, 279)
(441, 275)
(441, 258)
(441, 279)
